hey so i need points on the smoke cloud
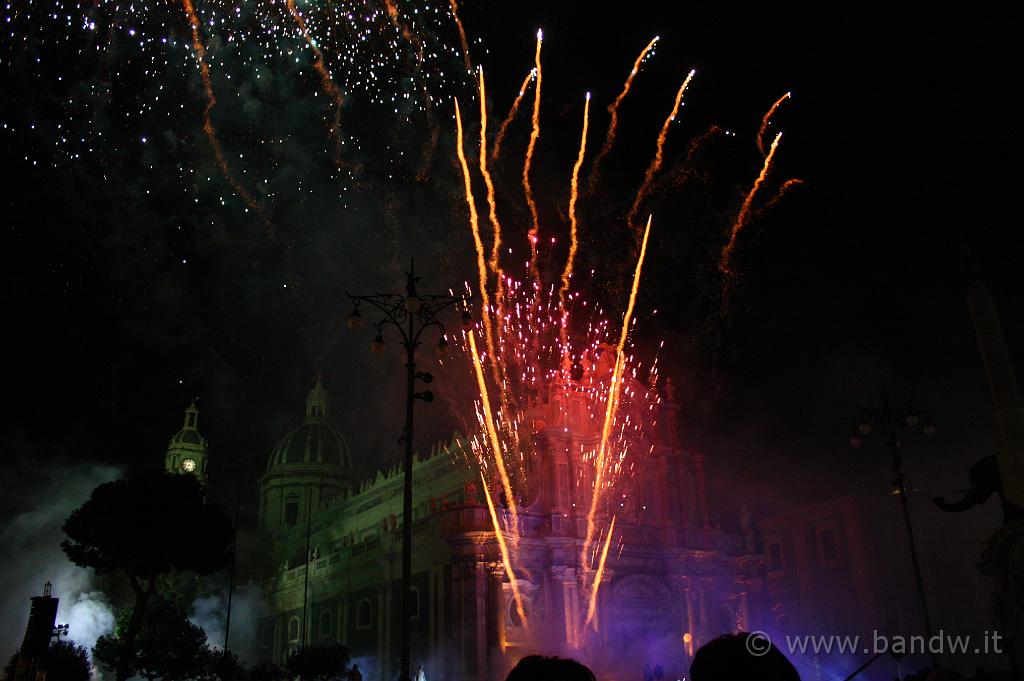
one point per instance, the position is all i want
(30, 539)
(248, 606)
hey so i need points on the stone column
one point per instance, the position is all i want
(480, 592)
(702, 502)
(564, 579)
(690, 623)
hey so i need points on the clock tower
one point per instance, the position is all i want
(187, 450)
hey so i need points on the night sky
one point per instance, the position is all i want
(134, 283)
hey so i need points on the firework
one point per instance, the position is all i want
(135, 62)
(599, 575)
(506, 558)
(474, 222)
(612, 404)
(767, 119)
(528, 162)
(462, 34)
(330, 87)
(511, 114)
(784, 189)
(573, 196)
(407, 33)
(656, 162)
(725, 264)
(492, 434)
(211, 132)
(494, 262)
(613, 111)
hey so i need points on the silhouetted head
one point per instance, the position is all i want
(539, 668)
(741, 657)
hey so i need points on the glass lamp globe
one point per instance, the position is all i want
(377, 345)
(355, 320)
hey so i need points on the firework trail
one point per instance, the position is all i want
(491, 200)
(503, 548)
(417, 43)
(528, 162)
(492, 206)
(474, 222)
(655, 166)
(613, 403)
(592, 607)
(613, 110)
(495, 441)
(211, 132)
(573, 243)
(462, 34)
(725, 265)
(511, 114)
(498, 369)
(330, 87)
(768, 119)
(783, 191)
(402, 28)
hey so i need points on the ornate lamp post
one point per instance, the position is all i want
(894, 422)
(411, 314)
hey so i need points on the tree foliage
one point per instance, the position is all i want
(65, 661)
(167, 647)
(319, 663)
(266, 671)
(145, 528)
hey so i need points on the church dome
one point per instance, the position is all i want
(189, 434)
(315, 442)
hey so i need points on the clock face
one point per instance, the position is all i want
(188, 465)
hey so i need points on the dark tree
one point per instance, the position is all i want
(65, 662)
(266, 671)
(68, 662)
(167, 647)
(144, 528)
(226, 666)
(319, 663)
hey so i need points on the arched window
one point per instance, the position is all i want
(291, 510)
(363, 614)
(414, 605)
(293, 630)
(326, 623)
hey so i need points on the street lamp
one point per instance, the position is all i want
(411, 314)
(894, 422)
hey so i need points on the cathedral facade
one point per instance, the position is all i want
(332, 554)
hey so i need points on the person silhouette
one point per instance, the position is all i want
(741, 657)
(540, 668)
(354, 674)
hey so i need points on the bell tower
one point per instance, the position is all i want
(187, 451)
